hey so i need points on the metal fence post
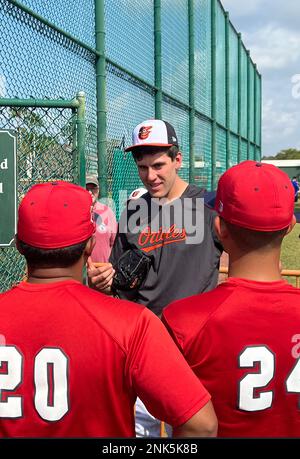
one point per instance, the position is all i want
(260, 117)
(213, 95)
(227, 83)
(248, 104)
(74, 144)
(255, 112)
(101, 96)
(239, 97)
(191, 91)
(80, 121)
(157, 59)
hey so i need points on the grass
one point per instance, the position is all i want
(290, 253)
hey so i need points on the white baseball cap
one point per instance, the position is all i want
(153, 133)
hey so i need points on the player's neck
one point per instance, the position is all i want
(263, 267)
(177, 190)
(50, 275)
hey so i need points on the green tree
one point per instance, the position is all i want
(289, 153)
(44, 144)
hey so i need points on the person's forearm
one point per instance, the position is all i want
(185, 432)
(106, 291)
(203, 424)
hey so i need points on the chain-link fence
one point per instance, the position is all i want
(183, 62)
(47, 149)
(39, 60)
(180, 61)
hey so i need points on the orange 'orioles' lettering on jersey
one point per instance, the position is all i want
(149, 240)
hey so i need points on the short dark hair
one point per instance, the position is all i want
(139, 153)
(51, 258)
(254, 240)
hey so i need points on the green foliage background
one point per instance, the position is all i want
(289, 153)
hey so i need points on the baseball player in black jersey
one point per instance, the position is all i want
(170, 224)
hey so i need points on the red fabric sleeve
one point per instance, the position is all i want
(160, 376)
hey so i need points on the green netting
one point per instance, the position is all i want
(124, 169)
(36, 61)
(258, 111)
(234, 147)
(175, 55)
(221, 152)
(233, 78)
(203, 153)
(46, 151)
(130, 43)
(129, 35)
(244, 150)
(12, 268)
(244, 95)
(220, 67)
(128, 103)
(80, 23)
(203, 56)
(251, 103)
(252, 152)
(179, 118)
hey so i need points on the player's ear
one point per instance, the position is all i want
(220, 228)
(178, 160)
(89, 246)
(217, 226)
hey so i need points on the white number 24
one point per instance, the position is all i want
(252, 381)
(51, 405)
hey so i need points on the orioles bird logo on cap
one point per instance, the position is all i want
(144, 132)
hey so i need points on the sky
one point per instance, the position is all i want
(270, 30)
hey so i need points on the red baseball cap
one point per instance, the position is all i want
(54, 215)
(256, 196)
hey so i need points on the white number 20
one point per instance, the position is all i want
(50, 379)
(262, 355)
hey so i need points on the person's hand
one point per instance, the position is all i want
(100, 275)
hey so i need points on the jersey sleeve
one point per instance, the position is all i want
(160, 376)
(175, 337)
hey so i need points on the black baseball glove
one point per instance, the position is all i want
(131, 270)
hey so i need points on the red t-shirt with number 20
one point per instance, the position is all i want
(73, 360)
